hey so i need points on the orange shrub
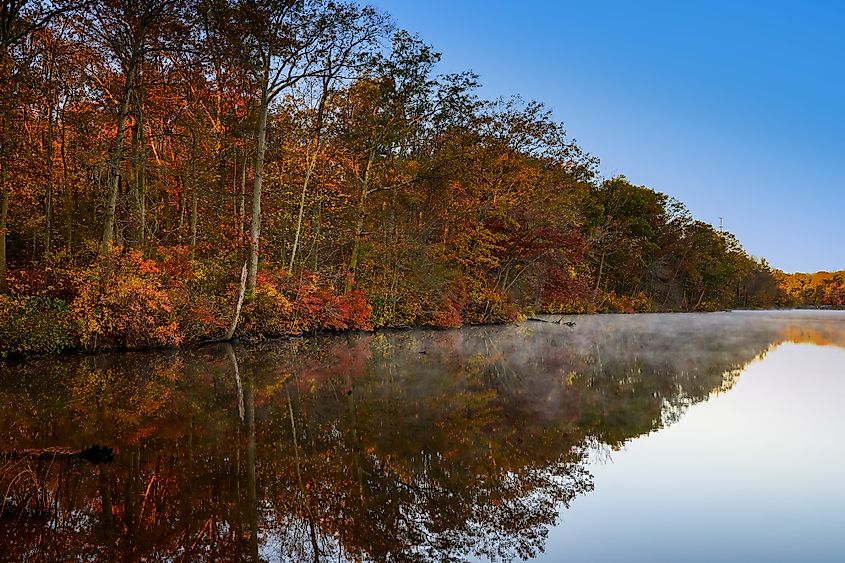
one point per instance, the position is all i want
(282, 304)
(488, 305)
(446, 315)
(121, 302)
(612, 302)
(318, 307)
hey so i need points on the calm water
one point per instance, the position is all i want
(713, 437)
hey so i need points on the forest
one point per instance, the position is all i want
(178, 171)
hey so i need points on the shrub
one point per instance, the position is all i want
(612, 302)
(318, 307)
(30, 325)
(268, 312)
(282, 304)
(403, 307)
(121, 302)
(445, 315)
(573, 307)
(205, 317)
(565, 290)
(211, 292)
(488, 305)
(359, 311)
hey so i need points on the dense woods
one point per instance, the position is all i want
(175, 171)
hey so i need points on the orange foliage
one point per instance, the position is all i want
(283, 304)
(122, 301)
(611, 302)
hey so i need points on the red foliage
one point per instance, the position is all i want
(46, 282)
(447, 316)
(284, 304)
(322, 309)
(562, 287)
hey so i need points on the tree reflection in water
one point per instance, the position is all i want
(350, 447)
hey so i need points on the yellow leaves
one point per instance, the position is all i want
(120, 302)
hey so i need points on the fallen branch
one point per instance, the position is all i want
(95, 454)
(557, 322)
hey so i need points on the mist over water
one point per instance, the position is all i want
(508, 442)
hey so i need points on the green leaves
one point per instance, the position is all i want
(34, 324)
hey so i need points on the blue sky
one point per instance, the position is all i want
(735, 108)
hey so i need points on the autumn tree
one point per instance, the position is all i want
(383, 193)
(278, 43)
(125, 31)
(19, 19)
(378, 126)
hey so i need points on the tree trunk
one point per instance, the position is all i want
(142, 203)
(233, 327)
(700, 299)
(356, 244)
(359, 225)
(116, 157)
(598, 279)
(66, 187)
(48, 200)
(390, 228)
(318, 224)
(5, 140)
(242, 199)
(135, 176)
(138, 186)
(194, 198)
(255, 229)
(389, 241)
(4, 214)
(235, 160)
(182, 207)
(311, 165)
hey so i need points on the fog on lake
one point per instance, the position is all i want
(659, 437)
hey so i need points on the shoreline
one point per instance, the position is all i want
(250, 342)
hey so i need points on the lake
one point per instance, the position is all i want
(670, 437)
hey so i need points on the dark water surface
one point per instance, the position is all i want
(710, 437)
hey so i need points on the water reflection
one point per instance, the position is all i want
(402, 446)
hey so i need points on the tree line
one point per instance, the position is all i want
(151, 151)
(823, 290)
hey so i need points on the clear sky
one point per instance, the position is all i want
(735, 108)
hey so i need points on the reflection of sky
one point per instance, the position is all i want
(754, 474)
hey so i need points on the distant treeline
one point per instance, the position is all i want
(820, 290)
(152, 149)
